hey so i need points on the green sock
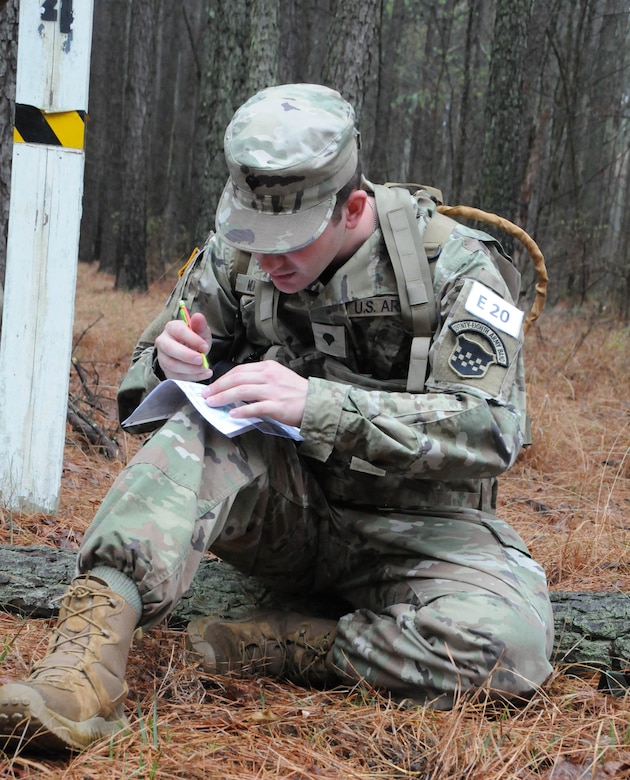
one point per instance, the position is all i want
(120, 584)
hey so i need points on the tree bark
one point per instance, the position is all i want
(172, 210)
(349, 64)
(8, 69)
(502, 161)
(592, 629)
(378, 157)
(103, 158)
(240, 57)
(131, 261)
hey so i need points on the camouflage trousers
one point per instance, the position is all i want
(439, 604)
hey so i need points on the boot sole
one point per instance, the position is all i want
(26, 723)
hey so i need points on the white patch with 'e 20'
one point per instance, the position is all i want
(491, 308)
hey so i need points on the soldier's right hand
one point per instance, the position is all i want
(180, 349)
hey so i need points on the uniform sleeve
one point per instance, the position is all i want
(205, 285)
(470, 420)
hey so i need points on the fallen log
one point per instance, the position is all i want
(592, 628)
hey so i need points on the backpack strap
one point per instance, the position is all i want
(437, 231)
(399, 226)
(440, 226)
(412, 187)
(267, 297)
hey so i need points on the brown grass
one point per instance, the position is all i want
(569, 496)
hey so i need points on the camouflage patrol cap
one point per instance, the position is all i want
(289, 150)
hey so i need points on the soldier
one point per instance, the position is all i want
(388, 501)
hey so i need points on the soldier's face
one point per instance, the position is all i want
(291, 272)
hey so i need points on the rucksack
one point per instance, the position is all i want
(412, 262)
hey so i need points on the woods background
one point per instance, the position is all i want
(520, 107)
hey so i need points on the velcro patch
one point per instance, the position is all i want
(379, 306)
(486, 305)
(330, 339)
(498, 351)
(245, 284)
(470, 358)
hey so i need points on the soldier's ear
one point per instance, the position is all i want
(354, 207)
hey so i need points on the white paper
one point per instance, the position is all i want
(166, 399)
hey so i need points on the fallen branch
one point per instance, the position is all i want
(95, 435)
(592, 629)
(83, 407)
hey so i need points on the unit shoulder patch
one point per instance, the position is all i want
(475, 348)
(470, 357)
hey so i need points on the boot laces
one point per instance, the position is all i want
(69, 646)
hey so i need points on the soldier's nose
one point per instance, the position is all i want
(270, 263)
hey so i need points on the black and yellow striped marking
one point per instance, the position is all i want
(34, 126)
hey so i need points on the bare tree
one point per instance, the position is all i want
(300, 21)
(379, 160)
(502, 160)
(350, 65)
(8, 68)
(172, 214)
(574, 195)
(264, 44)
(526, 119)
(432, 93)
(104, 136)
(466, 125)
(131, 269)
(241, 57)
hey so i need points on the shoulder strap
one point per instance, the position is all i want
(267, 297)
(437, 231)
(412, 187)
(413, 275)
(440, 226)
(239, 266)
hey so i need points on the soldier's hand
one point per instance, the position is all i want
(180, 349)
(267, 389)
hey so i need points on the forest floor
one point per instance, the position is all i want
(568, 496)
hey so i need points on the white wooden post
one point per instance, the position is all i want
(53, 68)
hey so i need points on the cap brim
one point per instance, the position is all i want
(255, 231)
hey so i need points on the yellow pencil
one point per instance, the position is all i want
(185, 315)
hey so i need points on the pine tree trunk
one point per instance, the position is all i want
(8, 68)
(502, 160)
(131, 261)
(349, 58)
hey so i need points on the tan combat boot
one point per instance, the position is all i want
(275, 644)
(74, 695)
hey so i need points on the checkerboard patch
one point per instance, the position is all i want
(469, 359)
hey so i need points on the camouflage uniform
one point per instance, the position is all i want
(389, 501)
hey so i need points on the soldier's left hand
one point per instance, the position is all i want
(266, 388)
